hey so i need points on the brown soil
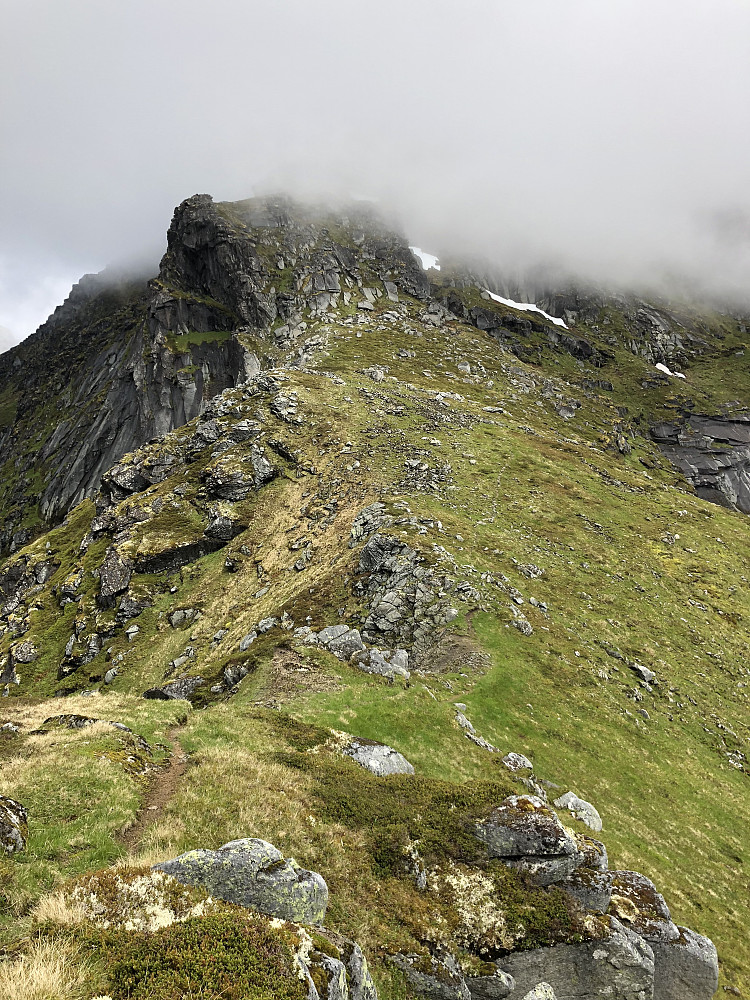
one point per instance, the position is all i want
(454, 653)
(290, 675)
(162, 786)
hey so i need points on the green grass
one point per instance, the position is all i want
(183, 342)
(80, 787)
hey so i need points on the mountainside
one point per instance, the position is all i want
(373, 567)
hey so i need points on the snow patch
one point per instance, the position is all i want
(663, 368)
(526, 307)
(427, 260)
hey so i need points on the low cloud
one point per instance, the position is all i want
(605, 140)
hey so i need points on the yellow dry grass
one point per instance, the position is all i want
(50, 970)
(57, 908)
(46, 751)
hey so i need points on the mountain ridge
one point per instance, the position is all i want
(412, 515)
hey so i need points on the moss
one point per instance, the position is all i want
(402, 809)
(8, 405)
(227, 956)
(183, 342)
(323, 945)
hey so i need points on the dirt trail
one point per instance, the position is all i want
(162, 787)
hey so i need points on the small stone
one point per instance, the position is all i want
(643, 672)
(247, 640)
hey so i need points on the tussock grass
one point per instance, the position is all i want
(59, 909)
(51, 969)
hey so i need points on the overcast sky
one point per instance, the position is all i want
(609, 137)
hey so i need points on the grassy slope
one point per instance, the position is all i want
(528, 486)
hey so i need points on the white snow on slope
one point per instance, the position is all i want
(526, 307)
(428, 260)
(663, 368)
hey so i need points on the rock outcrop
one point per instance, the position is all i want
(713, 453)
(526, 834)
(621, 967)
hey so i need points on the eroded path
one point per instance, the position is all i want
(161, 788)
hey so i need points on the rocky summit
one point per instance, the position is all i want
(369, 630)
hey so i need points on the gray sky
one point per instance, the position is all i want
(610, 137)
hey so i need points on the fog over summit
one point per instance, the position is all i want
(602, 140)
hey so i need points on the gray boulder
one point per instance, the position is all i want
(378, 758)
(620, 967)
(247, 640)
(685, 968)
(360, 982)
(494, 987)
(524, 825)
(328, 977)
(430, 978)
(525, 834)
(229, 483)
(114, 577)
(387, 663)
(344, 646)
(14, 825)
(590, 888)
(643, 672)
(184, 687)
(223, 528)
(331, 632)
(24, 652)
(517, 762)
(581, 809)
(253, 873)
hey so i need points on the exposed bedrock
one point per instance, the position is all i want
(713, 453)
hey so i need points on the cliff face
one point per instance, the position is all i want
(430, 606)
(123, 362)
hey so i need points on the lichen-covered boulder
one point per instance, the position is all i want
(378, 758)
(360, 982)
(14, 825)
(387, 663)
(525, 833)
(591, 882)
(619, 967)
(524, 825)
(255, 874)
(687, 967)
(517, 762)
(542, 991)
(328, 977)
